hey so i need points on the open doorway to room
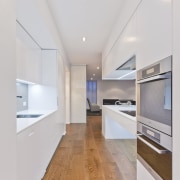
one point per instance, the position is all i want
(91, 92)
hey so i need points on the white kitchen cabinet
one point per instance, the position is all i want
(51, 135)
(78, 94)
(49, 68)
(123, 49)
(36, 146)
(154, 31)
(28, 153)
(142, 172)
(28, 57)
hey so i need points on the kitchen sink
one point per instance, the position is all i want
(131, 113)
(28, 115)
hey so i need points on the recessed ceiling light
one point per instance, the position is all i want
(84, 39)
(131, 39)
(97, 67)
(93, 74)
(91, 78)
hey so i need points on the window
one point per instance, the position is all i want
(91, 91)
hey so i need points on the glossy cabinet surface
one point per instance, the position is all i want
(154, 31)
(28, 153)
(49, 68)
(35, 147)
(78, 94)
(123, 49)
(28, 57)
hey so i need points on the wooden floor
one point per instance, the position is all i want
(84, 154)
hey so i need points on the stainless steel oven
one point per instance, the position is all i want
(154, 102)
(154, 118)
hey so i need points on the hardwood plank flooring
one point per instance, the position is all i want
(83, 154)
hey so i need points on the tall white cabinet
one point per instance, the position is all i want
(8, 90)
(78, 94)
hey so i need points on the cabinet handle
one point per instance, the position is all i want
(159, 151)
(31, 134)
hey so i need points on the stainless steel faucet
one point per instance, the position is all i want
(119, 102)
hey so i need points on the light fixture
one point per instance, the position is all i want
(127, 74)
(83, 39)
(24, 82)
(97, 67)
(93, 74)
(91, 79)
(131, 39)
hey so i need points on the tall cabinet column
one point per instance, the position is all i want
(8, 90)
(78, 94)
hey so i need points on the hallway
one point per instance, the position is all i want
(84, 154)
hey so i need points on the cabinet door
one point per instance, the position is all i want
(49, 68)
(28, 57)
(123, 49)
(50, 134)
(29, 154)
(142, 173)
(33, 65)
(154, 30)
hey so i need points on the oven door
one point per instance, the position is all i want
(154, 102)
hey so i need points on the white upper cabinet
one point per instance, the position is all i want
(123, 49)
(154, 30)
(49, 68)
(28, 57)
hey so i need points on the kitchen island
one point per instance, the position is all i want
(117, 124)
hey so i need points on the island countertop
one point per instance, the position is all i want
(119, 108)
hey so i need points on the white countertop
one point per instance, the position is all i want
(119, 108)
(23, 123)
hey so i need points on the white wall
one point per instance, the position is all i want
(8, 90)
(176, 88)
(109, 89)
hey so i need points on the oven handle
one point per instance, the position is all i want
(159, 151)
(158, 77)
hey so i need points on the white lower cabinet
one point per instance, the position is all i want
(142, 173)
(28, 153)
(35, 148)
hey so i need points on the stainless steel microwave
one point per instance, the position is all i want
(154, 102)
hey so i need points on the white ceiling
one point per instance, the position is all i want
(93, 19)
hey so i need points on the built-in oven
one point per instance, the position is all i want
(154, 116)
